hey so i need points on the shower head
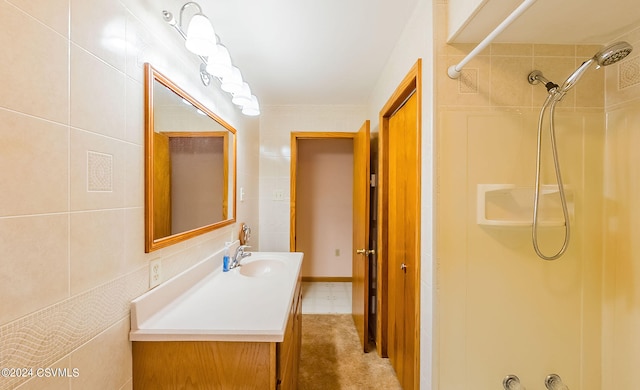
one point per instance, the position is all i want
(613, 53)
(607, 56)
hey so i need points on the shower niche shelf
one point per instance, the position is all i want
(509, 205)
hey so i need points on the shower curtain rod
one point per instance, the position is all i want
(454, 71)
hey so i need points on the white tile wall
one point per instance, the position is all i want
(276, 125)
(72, 244)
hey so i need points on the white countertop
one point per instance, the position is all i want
(206, 304)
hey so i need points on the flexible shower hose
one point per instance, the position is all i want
(551, 102)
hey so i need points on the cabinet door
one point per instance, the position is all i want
(211, 365)
(288, 351)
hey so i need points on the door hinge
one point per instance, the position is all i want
(372, 180)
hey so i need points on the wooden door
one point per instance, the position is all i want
(403, 198)
(360, 256)
(161, 186)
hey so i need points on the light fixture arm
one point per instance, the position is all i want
(184, 7)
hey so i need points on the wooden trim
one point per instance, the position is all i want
(412, 83)
(151, 244)
(195, 134)
(328, 279)
(295, 136)
(148, 158)
(418, 265)
(292, 193)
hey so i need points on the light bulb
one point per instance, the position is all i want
(233, 82)
(253, 108)
(219, 64)
(243, 97)
(201, 39)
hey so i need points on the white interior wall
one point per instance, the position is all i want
(324, 206)
(276, 125)
(417, 42)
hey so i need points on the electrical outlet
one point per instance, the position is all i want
(155, 272)
(337, 252)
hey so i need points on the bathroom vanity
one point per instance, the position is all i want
(208, 329)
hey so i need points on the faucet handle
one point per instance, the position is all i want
(240, 251)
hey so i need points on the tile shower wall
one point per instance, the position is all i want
(71, 167)
(276, 125)
(621, 298)
(501, 309)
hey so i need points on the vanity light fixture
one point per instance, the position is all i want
(253, 108)
(205, 77)
(219, 65)
(201, 40)
(233, 82)
(242, 97)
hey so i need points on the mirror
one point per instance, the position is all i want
(190, 165)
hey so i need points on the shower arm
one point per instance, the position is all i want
(536, 77)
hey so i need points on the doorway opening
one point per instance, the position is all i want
(348, 223)
(323, 207)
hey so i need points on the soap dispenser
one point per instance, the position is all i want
(225, 258)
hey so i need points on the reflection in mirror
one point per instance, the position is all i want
(189, 165)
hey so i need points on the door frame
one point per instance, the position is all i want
(412, 83)
(295, 136)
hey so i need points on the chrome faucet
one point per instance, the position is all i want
(239, 255)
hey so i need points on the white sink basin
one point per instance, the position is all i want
(262, 267)
(181, 309)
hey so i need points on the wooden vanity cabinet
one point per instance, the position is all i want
(221, 364)
(288, 351)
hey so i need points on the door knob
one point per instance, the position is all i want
(403, 266)
(365, 252)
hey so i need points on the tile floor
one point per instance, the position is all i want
(326, 298)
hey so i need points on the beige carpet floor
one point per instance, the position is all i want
(332, 358)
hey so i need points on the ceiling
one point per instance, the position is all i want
(333, 51)
(553, 21)
(309, 51)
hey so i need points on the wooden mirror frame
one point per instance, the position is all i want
(152, 243)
